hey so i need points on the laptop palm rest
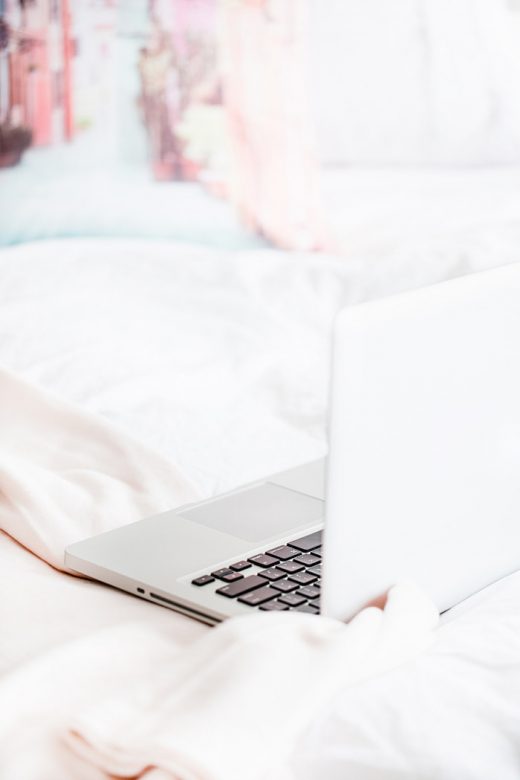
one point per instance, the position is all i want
(258, 513)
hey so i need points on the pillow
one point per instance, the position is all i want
(416, 81)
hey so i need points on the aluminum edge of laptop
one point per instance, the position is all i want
(156, 558)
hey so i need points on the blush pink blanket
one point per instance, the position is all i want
(66, 475)
(154, 695)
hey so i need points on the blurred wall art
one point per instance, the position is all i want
(241, 122)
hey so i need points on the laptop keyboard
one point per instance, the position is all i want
(281, 579)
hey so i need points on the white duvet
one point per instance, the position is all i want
(219, 362)
(127, 701)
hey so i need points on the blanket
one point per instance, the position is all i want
(127, 700)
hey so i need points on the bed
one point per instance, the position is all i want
(222, 367)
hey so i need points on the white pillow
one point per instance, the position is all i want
(416, 81)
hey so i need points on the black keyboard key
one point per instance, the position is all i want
(243, 585)
(240, 565)
(285, 586)
(303, 578)
(259, 596)
(308, 559)
(292, 600)
(309, 592)
(274, 606)
(307, 543)
(272, 574)
(283, 553)
(310, 608)
(226, 574)
(290, 567)
(315, 570)
(263, 560)
(233, 576)
(204, 580)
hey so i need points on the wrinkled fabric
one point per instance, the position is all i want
(66, 475)
(126, 700)
(219, 362)
(453, 713)
(229, 705)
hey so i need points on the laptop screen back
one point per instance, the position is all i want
(424, 465)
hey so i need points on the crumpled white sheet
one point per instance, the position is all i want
(451, 714)
(65, 475)
(230, 706)
(126, 701)
(219, 362)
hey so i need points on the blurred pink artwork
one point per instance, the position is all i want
(274, 172)
(207, 91)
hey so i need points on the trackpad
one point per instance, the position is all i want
(258, 512)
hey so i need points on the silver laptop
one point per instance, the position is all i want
(422, 480)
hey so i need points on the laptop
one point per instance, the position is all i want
(422, 480)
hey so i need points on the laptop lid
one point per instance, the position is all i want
(424, 465)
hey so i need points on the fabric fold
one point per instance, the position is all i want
(231, 705)
(66, 474)
(128, 701)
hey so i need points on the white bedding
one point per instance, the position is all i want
(219, 361)
(374, 211)
(126, 699)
